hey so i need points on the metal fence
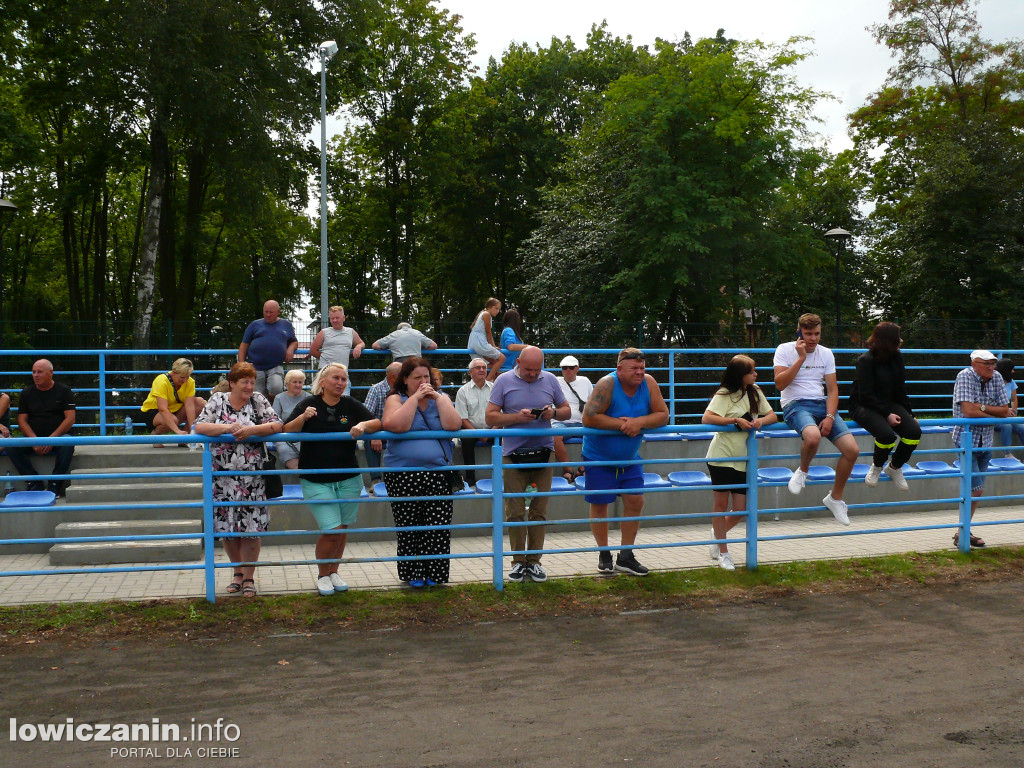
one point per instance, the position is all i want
(755, 485)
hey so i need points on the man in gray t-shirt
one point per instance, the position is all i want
(405, 342)
(527, 397)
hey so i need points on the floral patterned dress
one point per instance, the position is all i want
(245, 456)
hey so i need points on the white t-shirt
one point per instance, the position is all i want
(583, 388)
(809, 382)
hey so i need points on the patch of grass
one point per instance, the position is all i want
(474, 603)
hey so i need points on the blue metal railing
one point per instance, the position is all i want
(687, 388)
(496, 525)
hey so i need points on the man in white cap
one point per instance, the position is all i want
(978, 394)
(576, 389)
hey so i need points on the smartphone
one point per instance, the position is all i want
(537, 412)
(799, 333)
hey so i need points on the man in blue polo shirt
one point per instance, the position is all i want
(268, 344)
(624, 403)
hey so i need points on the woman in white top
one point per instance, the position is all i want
(740, 405)
(336, 343)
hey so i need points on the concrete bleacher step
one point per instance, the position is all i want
(109, 552)
(103, 456)
(151, 475)
(115, 492)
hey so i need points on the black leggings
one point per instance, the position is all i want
(908, 430)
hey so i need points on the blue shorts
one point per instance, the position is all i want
(609, 478)
(345, 494)
(801, 414)
(979, 463)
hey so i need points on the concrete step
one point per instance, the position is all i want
(128, 528)
(106, 553)
(133, 470)
(125, 493)
(97, 457)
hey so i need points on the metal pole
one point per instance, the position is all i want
(323, 188)
(839, 313)
(5, 206)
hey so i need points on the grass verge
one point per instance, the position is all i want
(186, 620)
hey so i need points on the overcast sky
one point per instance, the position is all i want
(847, 61)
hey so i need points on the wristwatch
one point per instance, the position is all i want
(984, 407)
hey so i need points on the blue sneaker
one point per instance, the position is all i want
(431, 583)
(417, 583)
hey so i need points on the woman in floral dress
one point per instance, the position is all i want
(242, 413)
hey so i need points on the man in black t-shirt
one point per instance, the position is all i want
(46, 408)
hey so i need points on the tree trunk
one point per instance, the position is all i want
(146, 280)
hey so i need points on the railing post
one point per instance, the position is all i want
(966, 449)
(103, 393)
(672, 387)
(497, 516)
(752, 459)
(209, 543)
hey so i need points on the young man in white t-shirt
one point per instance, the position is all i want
(805, 375)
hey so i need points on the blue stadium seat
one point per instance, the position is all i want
(782, 433)
(935, 468)
(859, 470)
(290, 493)
(561, 485)
(821, 473)
(934, 429)
(465, 490)
(483, 485)
(663, 438)
(572, 440)
(654, 480)
(774, 474)
(690, 477)
(1006, 465)
(29, 499)
(380, 491)
(858, 431)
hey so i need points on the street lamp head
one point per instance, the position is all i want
(327, 49)
(7, 206)
(838, 234)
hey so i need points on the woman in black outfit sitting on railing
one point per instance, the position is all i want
(879, 403)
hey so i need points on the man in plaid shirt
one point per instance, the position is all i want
(374, 403)
(977, 394)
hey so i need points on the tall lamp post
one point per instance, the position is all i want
(838, 236)
(327, 51)
(6, 206)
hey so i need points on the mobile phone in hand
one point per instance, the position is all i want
(537, 412)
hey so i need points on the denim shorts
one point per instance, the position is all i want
(608, 478)
(979, 463)
(801, 414)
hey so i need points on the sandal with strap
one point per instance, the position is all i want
(235, 587)
(248, 588)
(976, 541)
(569, 476)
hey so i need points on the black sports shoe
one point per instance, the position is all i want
(518, 572)
(604, 562)
(627, 563)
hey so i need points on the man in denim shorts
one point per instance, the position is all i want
(805, 374)
(977, 394)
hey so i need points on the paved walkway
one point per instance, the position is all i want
(280, 572)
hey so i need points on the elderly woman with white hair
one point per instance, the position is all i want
(284, 404)
(334, 493)
(172, 405)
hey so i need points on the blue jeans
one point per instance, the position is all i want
(1007, 432)
(801, 414)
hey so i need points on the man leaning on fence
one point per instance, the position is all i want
(625, 403)
(978, 394)
(527, 397)
(46, 408)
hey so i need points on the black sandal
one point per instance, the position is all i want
(568, 476)
(248, 588)
(235, 587)
(976, 541)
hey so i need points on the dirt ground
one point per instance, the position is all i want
(909, 677)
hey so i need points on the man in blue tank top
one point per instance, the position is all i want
(624, 403)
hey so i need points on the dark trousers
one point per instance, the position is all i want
(373, 460)
(20, 458)
(469, 446)
(908, 430)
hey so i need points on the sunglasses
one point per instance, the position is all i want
(569, 367)
(632, 356)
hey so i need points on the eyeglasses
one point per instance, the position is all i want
(631, 356)
(569, 367)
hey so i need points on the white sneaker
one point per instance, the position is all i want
(338, 583)
(726, 563)
(871, 478)
(715, 550)
(896, 475)
(838, 509)
(797, 481)
(324, 586)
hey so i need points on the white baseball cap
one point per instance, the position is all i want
(569, 362)
(982, 354)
